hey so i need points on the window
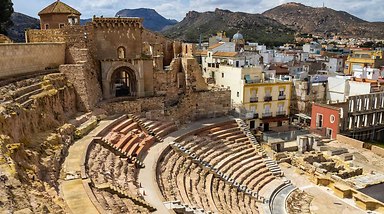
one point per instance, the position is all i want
(281, 91)
(46, 26)
(329, 133)
(238, 94)
(332, 118)
(222, 76)
(61, 25)
(319, 120)
(121, 53)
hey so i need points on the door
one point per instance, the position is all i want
(252, 124)
(266, 127)
(329, 133)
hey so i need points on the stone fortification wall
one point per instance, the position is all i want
(18, 59)
(74, 36)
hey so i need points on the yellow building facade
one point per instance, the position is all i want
(267, 103)
(361, 59)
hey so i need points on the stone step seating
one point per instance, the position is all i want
(230, 200)
(195, 188)
(179, 181)
(112, 203)
(229, 157)
(23, 95)
(159, 129)
(273, 167)
(128, 139)
(124, 194)
(104, 167)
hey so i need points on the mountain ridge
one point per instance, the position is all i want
(254, 27)
(323, 20)
(152, 19)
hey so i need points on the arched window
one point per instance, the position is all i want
(121, 53)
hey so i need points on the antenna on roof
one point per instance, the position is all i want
(323, 4)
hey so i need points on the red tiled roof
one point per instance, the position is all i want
(225, 54)
(59, 7)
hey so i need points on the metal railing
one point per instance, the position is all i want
(281, 97)
(267, 114)
(281, 113)
(267, 98)
(253, 99)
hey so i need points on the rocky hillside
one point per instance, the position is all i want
(254, 27)
(21, 22)
(307, 19)
(152, 20)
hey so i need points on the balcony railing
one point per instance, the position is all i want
(281, 97)
(281, 113)
(267, 98)
(267, 114)
(253, 99)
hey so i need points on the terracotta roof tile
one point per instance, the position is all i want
(59, 7)
(225, 54)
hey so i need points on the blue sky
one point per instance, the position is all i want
(371, 10)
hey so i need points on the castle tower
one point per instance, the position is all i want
(57, 15)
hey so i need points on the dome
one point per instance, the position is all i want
(238, 36)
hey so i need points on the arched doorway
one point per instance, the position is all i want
(124, 82)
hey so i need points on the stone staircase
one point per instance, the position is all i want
(273, 167)
(111, 147)
(123, 194)
(145, 128)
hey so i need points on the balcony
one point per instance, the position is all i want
(267, 114)
(267, 98)
(253, 99)
(281, 113)
(281, 97)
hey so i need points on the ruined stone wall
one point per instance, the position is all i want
(199, 105)
(84, 79)
(166, 81)
(81, 68)
(155, 38)
(378, 150)
(17, 59)
(138, 106)
(51, 108)
(350, 141)
(193, 75)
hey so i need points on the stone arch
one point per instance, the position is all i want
(123, 82)
(135, 79)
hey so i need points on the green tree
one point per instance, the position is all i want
(6, 10)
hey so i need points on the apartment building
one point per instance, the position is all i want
(360, 117)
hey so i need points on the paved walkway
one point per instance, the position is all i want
(72, 188)
(147, 175)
